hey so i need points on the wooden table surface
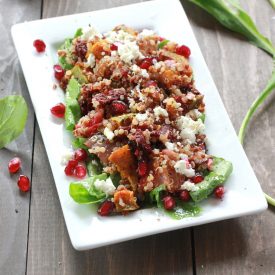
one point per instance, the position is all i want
(33, 236)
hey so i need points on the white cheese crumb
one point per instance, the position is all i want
(183, 167)
(189, 128)
(145, 32)
(105, 186)
(144, 73)
(194, 113)
(90, 61)
(158, 111)
(90, 33)
(189, 186)
(129, 51)
(119, 36)
(108, 133)
(141, 117)
(170, 146)
(68, 154)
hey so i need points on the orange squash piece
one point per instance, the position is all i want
(125, 200)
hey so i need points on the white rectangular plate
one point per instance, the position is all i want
(86, 229)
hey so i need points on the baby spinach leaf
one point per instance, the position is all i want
(230, 14)
(13, 117)
(272, 3)
(155, 194)
(163, 43)
(73, 112)
(221, 171)
(78, 33)
(84, 192)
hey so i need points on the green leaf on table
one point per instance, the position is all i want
(219, 174)
(13, 117)
(230, 14)
(85, 192)
(73, 112)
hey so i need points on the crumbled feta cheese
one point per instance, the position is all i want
(144, 73)
(90, 33)
(68, 154)
(189, 186)
(105, 186)
(189, 128)
(194, 114)
(158, 111)
(145, 32)
(141, 117)
(184, 167)
(129, 51)
(90, 61)
(135, 68)
(170, 146)
(183, 156)
(119, 36)
(108, 133)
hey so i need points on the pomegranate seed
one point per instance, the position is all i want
(168, 202)
(80, 155)
(39, 45)
(80, 171)
(113, 47)
(58, 72)
(197, 179)
(106, 208)
(118, 107)
(14, 165)
(219, 192)
(185, 195)
(23, 183)
(70, 167)
(183, 50)
(151, 83)
(58, 110)
(146, 63)
(142, 168)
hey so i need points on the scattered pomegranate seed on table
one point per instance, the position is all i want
(80, 171)
(39, 45)
(106, 208)
(184, 51)
(59, 72)
(58, 110)
(14, 165)
(185, 195)
(219, 192)
(80, 155)
(168, 202)
(23, 183)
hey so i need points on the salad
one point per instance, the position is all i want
(138, 124)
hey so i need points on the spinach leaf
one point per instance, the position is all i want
(78, 74)
(181, 210)
(79, 143)
(94, 167)
(272, 3)
(84, 192)
(230, 14)
(13, 117)
(73, 112)
(221, 171)
(162, 43)
(67, 60)
(78, 33)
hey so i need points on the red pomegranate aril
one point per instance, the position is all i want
(113, 47)
(197, 179)
(80, 171)
(185, 195)
(70, 167)
(39, 45)
(14, 165)
(142, 168)
(146, 63)
(23, 183)
(59, 72)
(168, 202)
(80, 155)
(219, 192)
(151, 83)
(184, 51)
(118, 107)
(106, 208)
(58, 110)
